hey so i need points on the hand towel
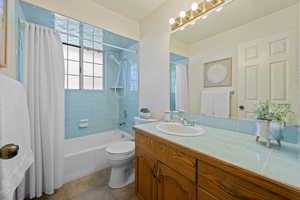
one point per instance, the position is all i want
(14, 129)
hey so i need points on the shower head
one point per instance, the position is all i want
(113, 57)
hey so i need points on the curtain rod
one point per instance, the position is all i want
(105, 44)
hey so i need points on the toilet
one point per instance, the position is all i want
(120, 156)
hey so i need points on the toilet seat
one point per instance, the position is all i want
(120, 150)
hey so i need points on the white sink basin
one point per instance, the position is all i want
(180, 130)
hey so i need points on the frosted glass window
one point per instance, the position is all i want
(98, 46)
(73, 27)
(98, 58)
(133, 77)
(66, 67)
(88, 83)
(73, 53)
(88, 55)
(88, 44)
(98, 70)
(88, 32)
(87, 69)
(98, 83)
(98, 35)
(73, 67)
(63, 38)
(65, 49)
(61, 23)
(82, 47)
(73, 82)
(73, 40)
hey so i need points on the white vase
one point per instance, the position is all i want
(269, 130)
(276, 130)
(145, 115)
(263, 128)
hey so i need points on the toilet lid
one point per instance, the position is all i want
(121, 147)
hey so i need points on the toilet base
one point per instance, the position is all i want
(121, 176)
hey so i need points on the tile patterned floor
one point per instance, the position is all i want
(92, 187)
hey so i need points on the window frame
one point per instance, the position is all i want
(81, 67)
(81, 61)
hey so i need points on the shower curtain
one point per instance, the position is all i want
(181, 87)
(43, 77)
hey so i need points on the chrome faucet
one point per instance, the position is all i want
(183, 120)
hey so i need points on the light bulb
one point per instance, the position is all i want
(204, 17)
(195, 6)
(182, 14)
(219, 9)
(208, 0)
(172, 21)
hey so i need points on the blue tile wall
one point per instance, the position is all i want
(291, 134)
(96, 106)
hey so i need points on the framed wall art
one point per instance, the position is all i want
(218, 73)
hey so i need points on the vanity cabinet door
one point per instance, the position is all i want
(203, 195)
(173, 186)
(145, 183)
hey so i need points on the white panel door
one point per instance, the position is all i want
(267, 70)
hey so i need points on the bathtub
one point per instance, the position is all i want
(85, 155)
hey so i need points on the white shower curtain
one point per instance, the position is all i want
(44, 82)
(181, 87)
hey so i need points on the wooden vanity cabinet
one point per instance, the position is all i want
(172, 185)
(146, 185)
(156, 181)
(168, 171)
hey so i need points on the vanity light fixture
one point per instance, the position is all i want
(182, 14)
(172, 21)
(198, 10)
(195, 6)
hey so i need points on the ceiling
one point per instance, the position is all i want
(133, 9)
(235, 14)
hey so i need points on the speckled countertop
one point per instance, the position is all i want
(279, 163)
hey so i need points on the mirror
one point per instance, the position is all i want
(3, 32)
(232, 59)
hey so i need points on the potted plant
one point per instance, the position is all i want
(145, 113)
(270, 120)
(281, 114)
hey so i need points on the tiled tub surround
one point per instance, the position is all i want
(103, 109)
(291, 134)
(279, 163)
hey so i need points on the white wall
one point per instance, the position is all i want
(154, 56)
(92, 13)
(225, 45)
(179, 47)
